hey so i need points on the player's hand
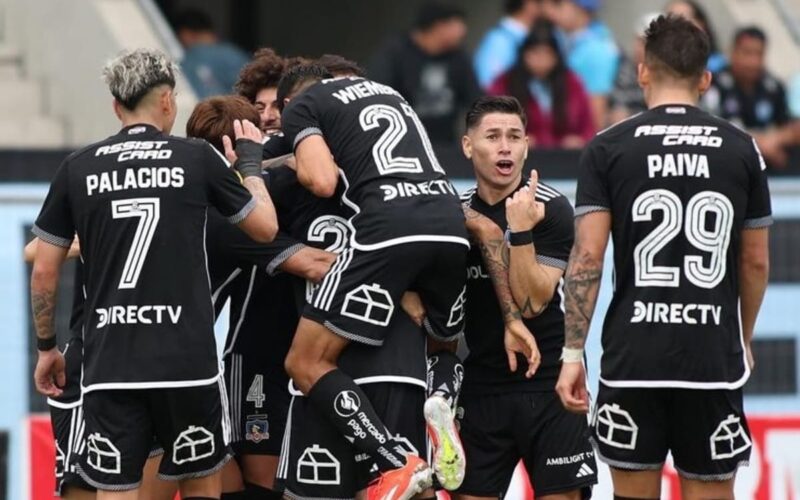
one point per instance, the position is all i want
(523, 212)
(412, 305)
(571, 388)
(751, 361)
(49, 375)
(247, 153)
(518, 339)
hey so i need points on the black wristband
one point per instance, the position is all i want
(248, 157)
(45, 344)
(520, 239)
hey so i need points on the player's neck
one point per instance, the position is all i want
(672, 96)
(492, 195)
(140, 119)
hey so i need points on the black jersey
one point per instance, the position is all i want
(73, 351)
(322, 223)
(138, 201)
(486, 367)
(276, 145)
(392, 179)
(681, 186)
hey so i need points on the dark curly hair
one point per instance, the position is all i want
(263, 71)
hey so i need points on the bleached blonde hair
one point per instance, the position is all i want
(134, 73)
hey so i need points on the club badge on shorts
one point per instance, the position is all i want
(256, 428)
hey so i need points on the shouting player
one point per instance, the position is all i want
(407, 231)
(505, 416)
(138, 203)
(685, 197)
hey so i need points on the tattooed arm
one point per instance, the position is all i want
(517, 338)
(583, 276)
(580, 298)
(49, 374)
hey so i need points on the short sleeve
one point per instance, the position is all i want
(553, 237)
(759, 207)
(225, 190)
(592, 194)
(300, 119)
(55, 223)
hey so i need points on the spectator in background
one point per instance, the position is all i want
(559, 109)
(694, 12)
(498, 50)
(746, 94)
(210, 65)
(590, 49)
(430, 69)
(627, 98)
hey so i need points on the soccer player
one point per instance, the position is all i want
(504, 415)
(138, 203)
(685, 197)
(408, 231)
(258, 83)
(263, 316)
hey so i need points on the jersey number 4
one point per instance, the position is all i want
(712, 237)
(148, 210)
(383, 150)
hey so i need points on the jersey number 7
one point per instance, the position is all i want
(148, 210)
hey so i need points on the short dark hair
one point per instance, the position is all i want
(298, 78)
(213, 117)
(432, 13)
(193, 20)
(674, 46)
(263, 71)
(749, 32)
(338, 65)
(494, 104)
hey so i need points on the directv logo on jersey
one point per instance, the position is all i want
(409, 189)
(676, 314)
(138, 315)
(682, 135)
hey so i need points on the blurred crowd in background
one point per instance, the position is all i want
(556, 56)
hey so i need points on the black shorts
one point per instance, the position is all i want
(362, 290)
(499, 430)
(706, 430)
(259, 404)
(68, 431)
(317, 462)
(190, 423)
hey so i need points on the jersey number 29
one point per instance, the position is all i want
(714, 240)
(148, 210)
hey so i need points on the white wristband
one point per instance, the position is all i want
(569, 355)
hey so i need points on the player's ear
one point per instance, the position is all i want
(527, 147)
(117, 109)
(466, 146)
(643, 75)
(705, 82)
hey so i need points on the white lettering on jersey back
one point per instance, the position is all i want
(112, 149)
(676, 314)
(682, 135)
(410, 189)
(138, 315)
(677, 165)
(134, 178)
(362, 89)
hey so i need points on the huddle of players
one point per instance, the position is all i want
(362, 252)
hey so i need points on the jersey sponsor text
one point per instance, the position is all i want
(682, 135)
(138, 315)
(410, 189)
(675, 313)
